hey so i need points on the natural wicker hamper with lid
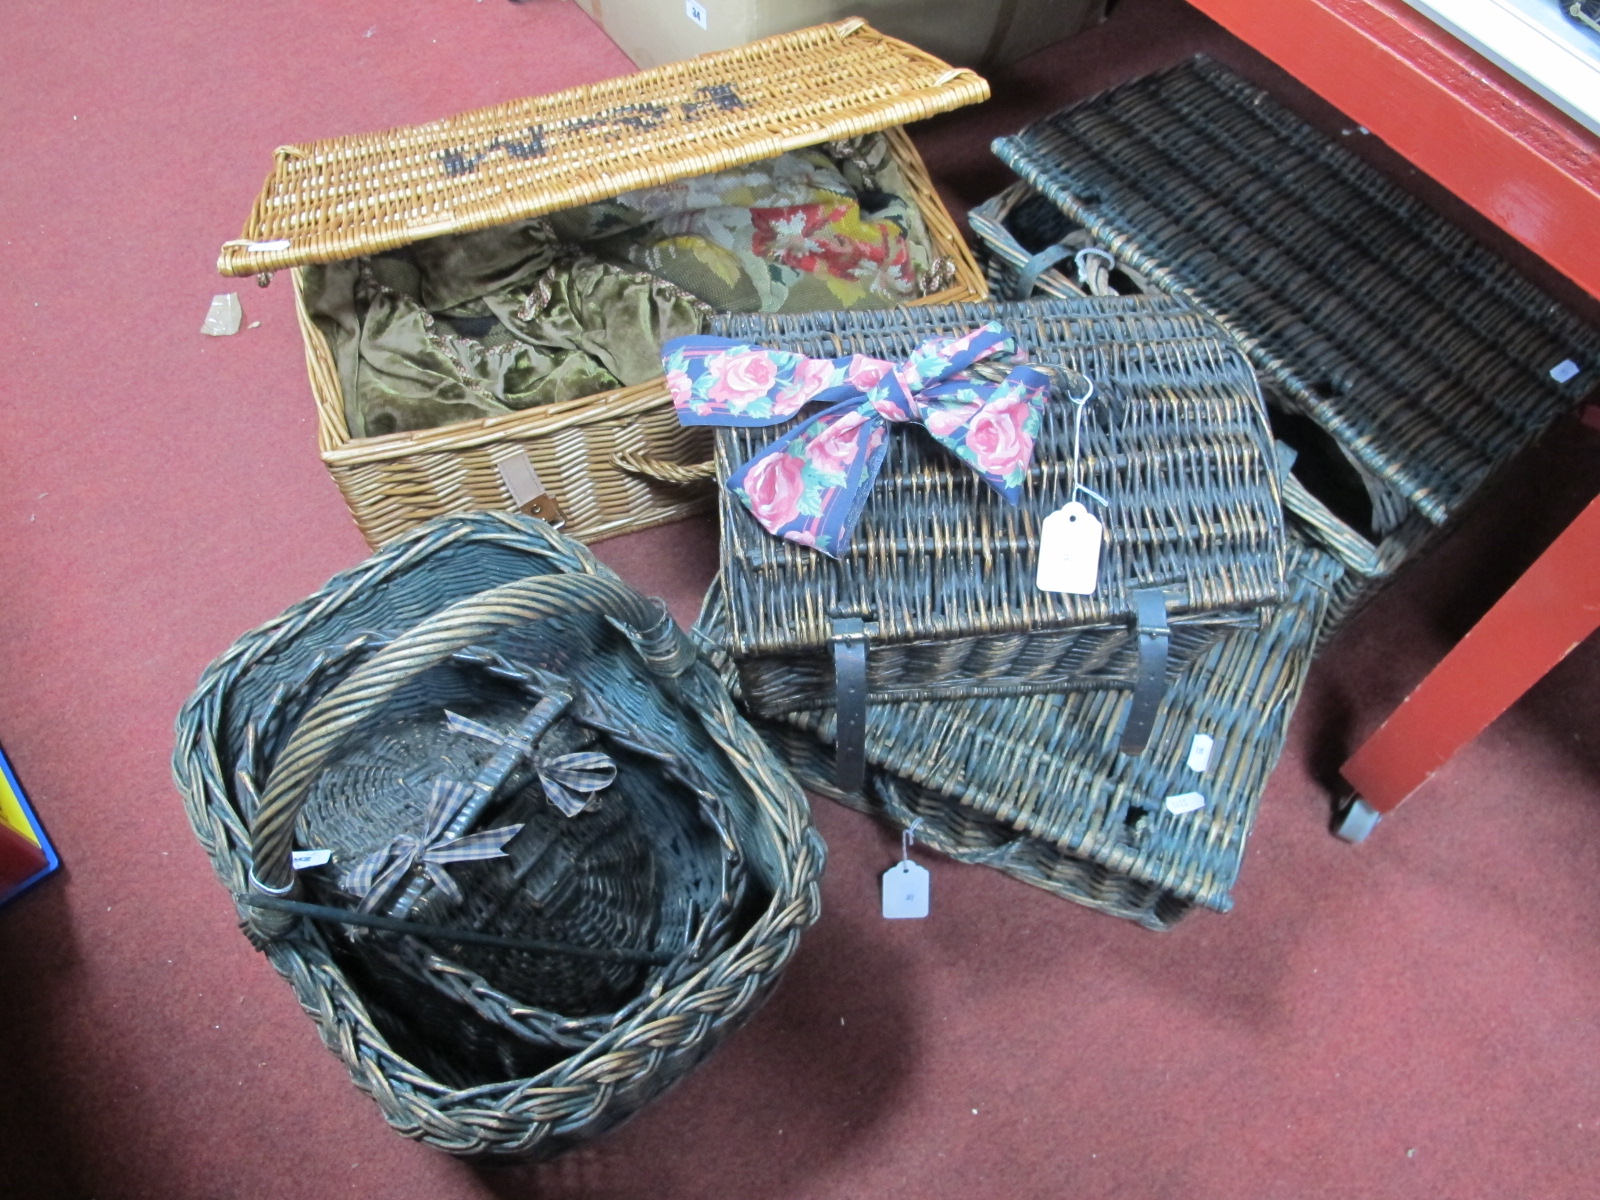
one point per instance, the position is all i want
(942, 569)
(1037, 787)
(307, 732)
(612, 462)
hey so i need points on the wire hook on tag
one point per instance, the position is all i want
(905, 885)
(908, 839)
(1079, 403)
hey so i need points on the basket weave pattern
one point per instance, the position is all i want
(278, 679)
(1037, 786)
(1428, 358)
(1175, 438)
(616, 461)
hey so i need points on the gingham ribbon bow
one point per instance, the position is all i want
(376, 875)
(570, 781)
(810, 485)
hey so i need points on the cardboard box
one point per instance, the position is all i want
(976, 33)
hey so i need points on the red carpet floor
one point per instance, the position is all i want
(1417, 1017)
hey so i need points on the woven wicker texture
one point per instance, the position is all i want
(702, 853)
(618, 461)
(1427, 357)
(1037, 787)
(1330, 495)
(347, 196)
(1175, 438)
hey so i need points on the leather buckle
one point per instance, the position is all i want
(1154, 636)
(849, 640)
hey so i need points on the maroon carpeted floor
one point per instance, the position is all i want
(1416, 1017)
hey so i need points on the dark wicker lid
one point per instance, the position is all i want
(1428, 356)
(1176, 439)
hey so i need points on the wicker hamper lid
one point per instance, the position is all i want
(1428, 357)
(1176, 438)
(342, 197)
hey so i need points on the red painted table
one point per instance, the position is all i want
(1536, 174)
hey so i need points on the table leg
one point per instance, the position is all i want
(1547, 612)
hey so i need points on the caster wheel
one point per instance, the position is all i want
(1356, 821)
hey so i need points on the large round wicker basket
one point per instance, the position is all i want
(540, 992)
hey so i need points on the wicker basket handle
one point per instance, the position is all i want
(662, 470)
(324, 727)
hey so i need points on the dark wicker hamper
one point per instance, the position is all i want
(941, 570)
(1401, 355)
(1036, 785)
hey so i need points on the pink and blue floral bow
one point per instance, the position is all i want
(809, 486)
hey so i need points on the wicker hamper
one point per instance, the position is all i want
(1029, 247)
(556, 866)
(1415, 360)
(613, 462)
(1036, 785)
(941, 569)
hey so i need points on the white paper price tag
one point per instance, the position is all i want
(1200, 752)
(1564, 370)
(696, 12)
(1186, 802)
(905, 890)
(1069, 551)
(301, 859)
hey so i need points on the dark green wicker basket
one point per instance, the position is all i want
(1036, 786)
(631, 923)
(941, 569)
(1029, 247)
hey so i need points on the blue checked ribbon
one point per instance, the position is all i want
(375, 876)
(810, 485)
(570, 781)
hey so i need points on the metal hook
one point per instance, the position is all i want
(1079, 403)
(908, 838)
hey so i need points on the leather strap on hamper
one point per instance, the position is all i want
(850, 702)
(1150, 627)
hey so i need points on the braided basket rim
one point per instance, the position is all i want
(534, 1116)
